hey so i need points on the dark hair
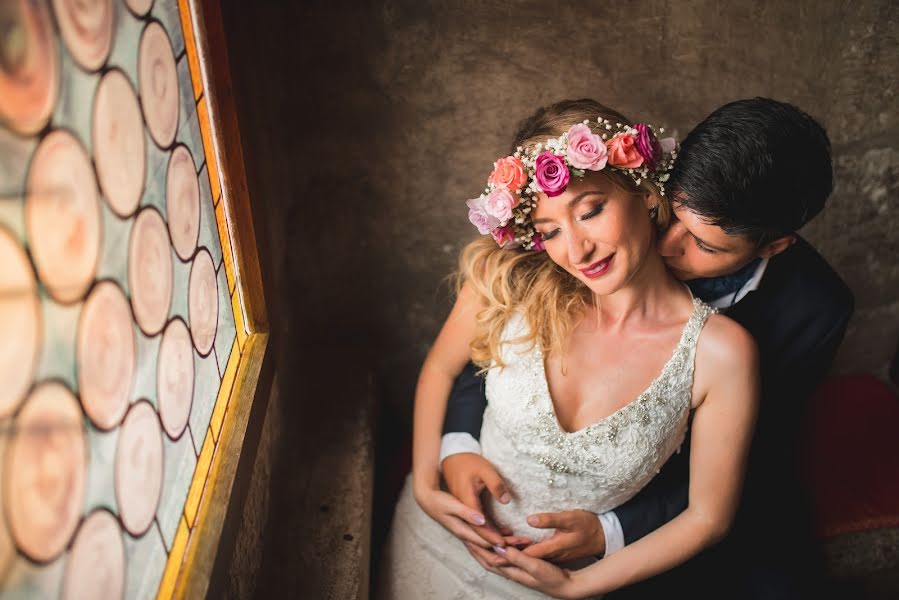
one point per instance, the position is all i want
(758, 168)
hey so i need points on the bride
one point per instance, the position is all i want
(596, 359)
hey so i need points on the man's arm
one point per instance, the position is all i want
(467, 402)
(464, 414)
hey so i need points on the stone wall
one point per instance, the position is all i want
(370, 127)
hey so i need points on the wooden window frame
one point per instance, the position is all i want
(209, 547)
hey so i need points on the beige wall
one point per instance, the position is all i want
(368, 128)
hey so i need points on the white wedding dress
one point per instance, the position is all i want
(546, 468)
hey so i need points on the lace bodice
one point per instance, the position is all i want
(595, 468)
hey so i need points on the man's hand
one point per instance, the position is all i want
(578, 534)
(467, 475)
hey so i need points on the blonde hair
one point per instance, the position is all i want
(508, 281)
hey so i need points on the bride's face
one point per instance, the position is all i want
(596, 231)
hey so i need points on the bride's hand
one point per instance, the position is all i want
(578, 534)
(453, 515)
(467, 475)
(532, 572)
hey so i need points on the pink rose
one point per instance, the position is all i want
(479, 217)
(622, 152)
(509, 173)
(499, 203)
(538, 243)
(668, 144)
(647, 145)
(586, 150)
(551, 174)
(503, 235)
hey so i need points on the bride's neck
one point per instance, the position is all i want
(650, 292)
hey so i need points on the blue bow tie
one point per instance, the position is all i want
(712, 288)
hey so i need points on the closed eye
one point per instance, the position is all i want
(703, 248)
(587, 215)
(592, 213)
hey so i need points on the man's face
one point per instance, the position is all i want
(694, 249)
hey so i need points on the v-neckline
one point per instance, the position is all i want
(544, 382)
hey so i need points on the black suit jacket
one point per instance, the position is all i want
(798, 316)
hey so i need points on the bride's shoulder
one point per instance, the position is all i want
(725, 344)
(726, 363)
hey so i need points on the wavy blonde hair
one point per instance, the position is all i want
(508, 281)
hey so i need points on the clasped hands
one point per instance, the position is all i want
(578, 533)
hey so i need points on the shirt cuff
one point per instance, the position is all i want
(611, 528)
(457, 443)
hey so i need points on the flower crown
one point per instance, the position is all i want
(504, 209)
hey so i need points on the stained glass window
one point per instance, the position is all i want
(121, 327)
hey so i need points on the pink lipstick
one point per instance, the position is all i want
(599, 268)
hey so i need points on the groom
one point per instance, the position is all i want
(746, 179)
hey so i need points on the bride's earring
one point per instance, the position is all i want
(654, 213)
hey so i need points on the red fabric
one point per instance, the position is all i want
(853, 455)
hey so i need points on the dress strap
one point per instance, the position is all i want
(701, 314)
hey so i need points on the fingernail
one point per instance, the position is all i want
(479, 520)
(499, 550)
(532, 521)
(505, 498)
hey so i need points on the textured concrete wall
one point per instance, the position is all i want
(371, 127)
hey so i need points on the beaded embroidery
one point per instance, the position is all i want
(663, 404)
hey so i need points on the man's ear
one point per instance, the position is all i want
(775, 247)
